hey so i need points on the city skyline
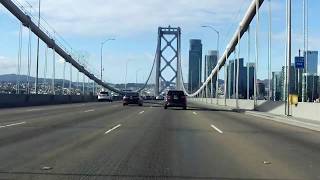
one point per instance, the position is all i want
(141, 41)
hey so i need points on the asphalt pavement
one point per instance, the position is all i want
(109, 141)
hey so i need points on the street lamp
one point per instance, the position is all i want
(218, 40)
(102, 44)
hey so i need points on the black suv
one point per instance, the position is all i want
(175, 98)
(132, 98)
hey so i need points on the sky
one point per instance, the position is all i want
(85, 24)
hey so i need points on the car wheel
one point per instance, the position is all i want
(184, 108)
(165, 107)
(140, 104)
(124, 104)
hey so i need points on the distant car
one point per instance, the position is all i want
(175, 98)
(132, 98)
(104, 96)
(148, 98)
(160, 97)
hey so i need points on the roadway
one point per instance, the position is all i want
(108, 141)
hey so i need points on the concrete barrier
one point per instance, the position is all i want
(302, 110)
(13, 100)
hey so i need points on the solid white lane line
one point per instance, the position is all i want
(141, 112)
(217, 129)
(90, 110)
(112, 129)
(14, 124)
(195, 113)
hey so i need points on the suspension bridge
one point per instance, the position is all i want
(231, 129)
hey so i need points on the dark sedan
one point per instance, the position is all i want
(132, 98)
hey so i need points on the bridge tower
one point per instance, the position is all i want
(168, 59)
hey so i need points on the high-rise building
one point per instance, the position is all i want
(250, 80)
(292, 81)
(261, 90)
(312, 90)
(277, 85)
(311, 62)
(231, 79)
(195, 65)
(211, 60)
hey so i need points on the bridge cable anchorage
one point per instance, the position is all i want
(252, 11)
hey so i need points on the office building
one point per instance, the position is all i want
(211, 60)
(250, 81)
(261, 90)
(311, 62)
(312, 87)
(195, 65)
(277, 85)
(231, 79)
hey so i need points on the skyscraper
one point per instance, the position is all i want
(250, 80)
(195, 64)
(231, 79)
(210, 62)
(311, 62)
(277, 85)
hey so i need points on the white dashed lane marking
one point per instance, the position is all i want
(14, 124)
(117, 126)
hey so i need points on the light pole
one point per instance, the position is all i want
(102, 44)
(218, 41)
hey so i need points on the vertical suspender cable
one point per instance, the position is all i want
(257, 53)
(70, 82)
(19, 60)
(288, 52)
(238, 69)
(83, 81)
(45, 67)
(64, 76)
(234, 74)
(304, 51)
(77, 82)
(225, 81)
(37, 63)
(29, 62)
(269, 53)
(53, 71)
(248, 68)
(307, 47)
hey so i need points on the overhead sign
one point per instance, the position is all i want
(299, 62)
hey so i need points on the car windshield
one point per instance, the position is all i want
(132, 94)
(179, 93)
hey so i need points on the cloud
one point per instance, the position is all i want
(6, 63)
(126, 17)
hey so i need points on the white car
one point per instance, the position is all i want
(104, 96)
